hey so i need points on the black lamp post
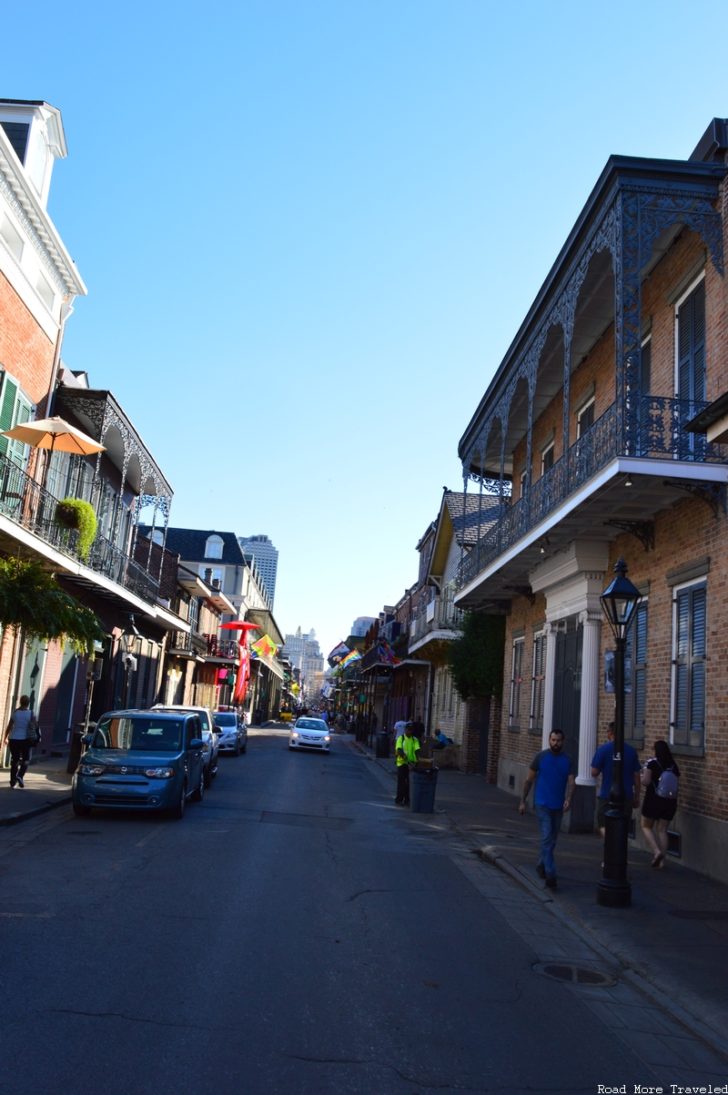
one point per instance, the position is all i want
(619, 604)
(130, 643)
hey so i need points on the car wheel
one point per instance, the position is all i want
(178, 811)
(237, 748)
(244, 748)
(81, 811)
(199, 792)
(207, 776)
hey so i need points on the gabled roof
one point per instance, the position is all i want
(463, 517)
(190, 543)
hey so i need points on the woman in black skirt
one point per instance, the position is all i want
(657, 812)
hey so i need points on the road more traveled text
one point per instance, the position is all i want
(672, 1089)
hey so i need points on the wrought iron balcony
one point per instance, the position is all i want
(656, 433)
(440, 614)
(33, 508)
(221, 648)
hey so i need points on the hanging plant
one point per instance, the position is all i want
(32, 601)
(74, 513)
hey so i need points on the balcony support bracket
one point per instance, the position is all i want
(644, 531)
(523, 591)
(713, 494)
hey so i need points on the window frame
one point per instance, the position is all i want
(588, 405)
(538, 683)
(514, 706)
(636, 651)
(695, 591)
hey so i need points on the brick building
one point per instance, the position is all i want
(581, 438)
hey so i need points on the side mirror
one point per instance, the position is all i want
(196, 743)
(86, 739)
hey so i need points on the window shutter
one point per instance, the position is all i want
(691, 346)
(7, 407)
(17, 451)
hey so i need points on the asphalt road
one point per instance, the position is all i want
(293, 933)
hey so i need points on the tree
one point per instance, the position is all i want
(476, 659)
(32, 599)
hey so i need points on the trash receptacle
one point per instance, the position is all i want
(422, 790)
(382, 744)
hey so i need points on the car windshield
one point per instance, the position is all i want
(225, 718)
(140, 735)
(312, 724)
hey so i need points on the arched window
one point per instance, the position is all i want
(213, 547)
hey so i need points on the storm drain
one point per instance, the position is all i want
(575, 975)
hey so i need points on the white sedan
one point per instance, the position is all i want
(308, 733)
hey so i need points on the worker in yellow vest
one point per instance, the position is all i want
(406, 748)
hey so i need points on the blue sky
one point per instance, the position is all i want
(310, 231)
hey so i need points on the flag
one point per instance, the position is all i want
(338, 653)
(265, 647)
(351, 657)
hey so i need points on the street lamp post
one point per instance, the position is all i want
(619, 604)
(130, 642)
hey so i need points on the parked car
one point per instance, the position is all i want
(209, 734)
(233, 733)
(309, 733)
(141, 760)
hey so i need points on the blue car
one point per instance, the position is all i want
(141, 760)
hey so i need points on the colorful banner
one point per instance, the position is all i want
(265, 647)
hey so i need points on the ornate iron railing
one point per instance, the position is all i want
(33, 508)
(440, 614)
(660, 436)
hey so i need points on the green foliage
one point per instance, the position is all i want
(476, 659)
(75, 513)
(31, 599)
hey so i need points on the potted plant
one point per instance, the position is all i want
(75, 513)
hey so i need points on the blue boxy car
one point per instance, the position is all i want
(141, 760)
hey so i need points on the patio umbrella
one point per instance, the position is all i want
(55, 434)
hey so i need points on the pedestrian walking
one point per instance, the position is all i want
(660, 777)
(406, 748)
(553, 773)
(631, 769)
(21, 734)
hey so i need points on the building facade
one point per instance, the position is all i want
(266, 558)
(583, 440)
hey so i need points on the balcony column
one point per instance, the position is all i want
(548, 683)
(582, 819)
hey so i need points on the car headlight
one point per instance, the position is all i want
(91, 769)
(159, 773)
(294, 736)
(327, 739)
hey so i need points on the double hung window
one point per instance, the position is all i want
(535, 722)
(514, 714)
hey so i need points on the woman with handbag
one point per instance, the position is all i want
(20, 736)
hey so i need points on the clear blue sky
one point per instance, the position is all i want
(310, 231)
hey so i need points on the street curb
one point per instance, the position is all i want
(641, 980)
(15, 819)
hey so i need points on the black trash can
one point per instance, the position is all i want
(382, 743)
(422, 790)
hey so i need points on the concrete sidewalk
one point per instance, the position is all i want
(47, 785)
(671, 943)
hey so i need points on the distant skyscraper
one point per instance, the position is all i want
(305, 654)
(361, 625)
(266, 558)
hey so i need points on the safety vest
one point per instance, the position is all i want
(410, 746)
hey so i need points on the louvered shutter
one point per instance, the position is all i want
(691, 346)
(690, 646)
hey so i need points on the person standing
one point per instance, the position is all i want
(20, 737)
(602, 765)
(553, 773)
(660, 802)
(406, 748)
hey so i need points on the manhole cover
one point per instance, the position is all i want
(575, 975)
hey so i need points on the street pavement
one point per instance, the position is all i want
(671, 943)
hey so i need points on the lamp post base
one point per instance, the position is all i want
(614, 893)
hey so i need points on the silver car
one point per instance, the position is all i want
(232, 732)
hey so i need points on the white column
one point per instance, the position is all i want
(548, 684)
(591, 623)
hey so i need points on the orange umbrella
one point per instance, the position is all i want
(55, 434)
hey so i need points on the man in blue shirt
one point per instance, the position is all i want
(553, 773)
(602, 763)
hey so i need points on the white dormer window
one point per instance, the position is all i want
(213, 547)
